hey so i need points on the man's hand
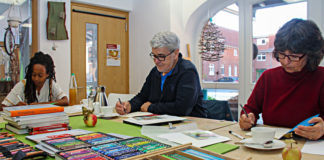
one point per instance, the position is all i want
(312, 132)
(247, 122)
(123, 108)
(145, 106)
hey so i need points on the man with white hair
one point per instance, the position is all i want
(172, 87)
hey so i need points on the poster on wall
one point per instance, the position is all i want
(113, 54)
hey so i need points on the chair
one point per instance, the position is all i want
(218, 110)
(113, 98)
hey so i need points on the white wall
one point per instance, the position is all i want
(147, 18)
(62, 54)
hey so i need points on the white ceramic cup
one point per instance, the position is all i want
(262, 134)
(106, 109)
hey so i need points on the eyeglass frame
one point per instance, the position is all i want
(289, 56)
(153, 56)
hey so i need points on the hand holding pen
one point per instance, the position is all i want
(20, 101)
(246, 120)
(123, 107)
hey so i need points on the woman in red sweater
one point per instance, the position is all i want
(291, 93)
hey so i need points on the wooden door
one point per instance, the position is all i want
(111, 28)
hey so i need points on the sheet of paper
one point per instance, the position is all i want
(198, 138)
(71, 110)
(135, 114)
(154, 131)
(314, 147)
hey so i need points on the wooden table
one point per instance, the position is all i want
(222, 128)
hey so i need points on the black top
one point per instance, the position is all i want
(181, 96)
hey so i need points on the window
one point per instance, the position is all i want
(211, 69)
(229, 70)
(264, 31)
(235, 70)
(261, 57)
(226, 21)
(222, 70)
(235, 52)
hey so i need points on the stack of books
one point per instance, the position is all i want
(36, 119)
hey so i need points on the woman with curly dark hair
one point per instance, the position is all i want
(294, 91)
(39, 85)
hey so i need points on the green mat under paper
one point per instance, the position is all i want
(221, 148)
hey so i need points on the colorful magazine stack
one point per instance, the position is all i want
(36, 119)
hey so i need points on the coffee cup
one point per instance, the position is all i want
(106, 109)
(262, 134)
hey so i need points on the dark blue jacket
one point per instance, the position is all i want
(181, 96)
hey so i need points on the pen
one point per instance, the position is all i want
(19, 98)
(122, 104)
(236, 135)
(244, 110)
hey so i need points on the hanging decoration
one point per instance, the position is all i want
(212, 43)
(55, 24)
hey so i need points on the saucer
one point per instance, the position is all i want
(277, 144)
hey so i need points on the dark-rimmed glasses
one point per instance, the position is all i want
(160, 56)
(294, 58)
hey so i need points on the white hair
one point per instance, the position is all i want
(165, 39)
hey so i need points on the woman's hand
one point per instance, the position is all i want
(21, 104)
(123, 108)
(312, 132)
(247, 122)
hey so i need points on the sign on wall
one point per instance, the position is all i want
(113, 54)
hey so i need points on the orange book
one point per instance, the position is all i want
(33, 111)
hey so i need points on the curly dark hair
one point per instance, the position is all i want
(30, 88)
(301, 36)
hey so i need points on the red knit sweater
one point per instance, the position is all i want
(285, 99)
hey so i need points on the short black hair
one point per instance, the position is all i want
(301, 36)
(45, 60)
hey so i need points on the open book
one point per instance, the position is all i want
(153, 119)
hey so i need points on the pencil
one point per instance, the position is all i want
(244, 110)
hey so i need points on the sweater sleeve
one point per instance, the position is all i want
(142, 96)
(187, 92)
(255, 101)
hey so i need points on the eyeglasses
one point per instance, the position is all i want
(160, 56)
(294, 58)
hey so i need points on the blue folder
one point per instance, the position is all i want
(305, 123)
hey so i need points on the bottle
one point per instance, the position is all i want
(73, 90)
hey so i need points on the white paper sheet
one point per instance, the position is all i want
(314, 147)
(154, 131)
(198, 138)
(135, 114)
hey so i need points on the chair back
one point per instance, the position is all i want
(218, 110)
(113, 98)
